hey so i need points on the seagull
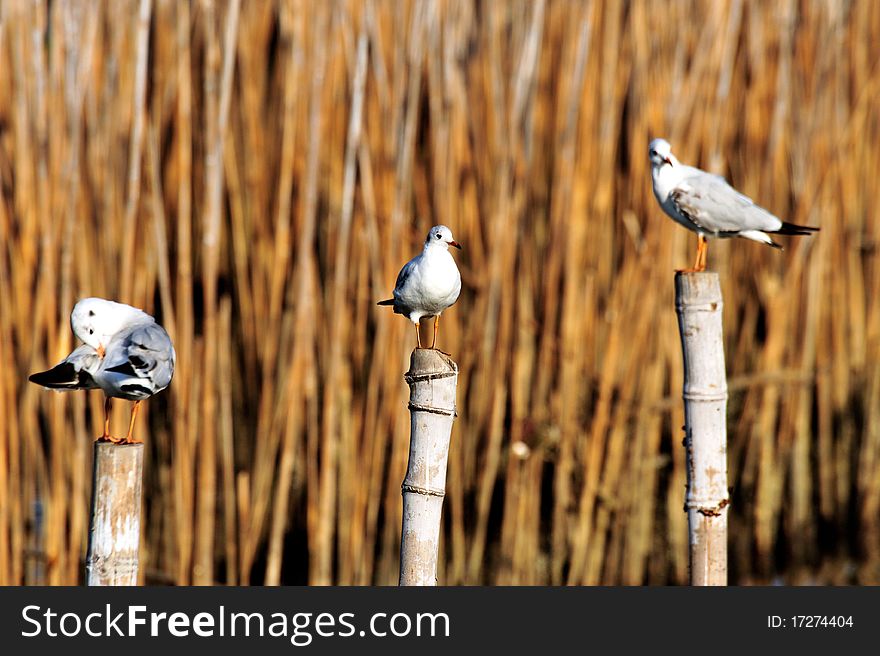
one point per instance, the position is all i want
(706, 204)
(429, 283)
(125, 353)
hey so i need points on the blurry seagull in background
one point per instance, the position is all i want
(706, 204)
(125, 353)
(429, 283)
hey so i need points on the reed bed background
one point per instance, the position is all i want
(255, 173)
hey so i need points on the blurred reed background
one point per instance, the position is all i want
(256, 173)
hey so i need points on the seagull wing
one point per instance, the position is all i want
(73, 372)
(712, 204)
(404, 276)
(140, 361)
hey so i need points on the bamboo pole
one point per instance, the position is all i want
(698, 304)
(432, 380)
(114, 530)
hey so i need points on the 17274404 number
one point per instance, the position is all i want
(809, 621)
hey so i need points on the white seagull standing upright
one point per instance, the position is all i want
(706, 204)
(125, 353)
(429, 283)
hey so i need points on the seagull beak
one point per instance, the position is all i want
(456, 244)
(667, 160)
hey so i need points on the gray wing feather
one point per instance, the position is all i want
(151, 354)
(143, 357)
(74, 372)
(712, 204)
(85, 358)
(403, 276)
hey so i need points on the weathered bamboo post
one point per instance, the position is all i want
(432, 379)
(698, 304)
(114, 528)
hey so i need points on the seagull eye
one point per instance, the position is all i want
(437, 235)
(91, 331)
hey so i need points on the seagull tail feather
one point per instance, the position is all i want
(62, 376)
(794, 229)
(758, 235)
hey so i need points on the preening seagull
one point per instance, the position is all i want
(706, 204)
(429, 283)
(125, 353)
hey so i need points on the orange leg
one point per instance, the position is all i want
(418, 336)
(106, 435)
(134, 413)
(702, 252)
(436, 325)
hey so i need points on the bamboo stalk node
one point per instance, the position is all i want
(714, 511)
(411, 378)
(703, 396)
(711, 306)
(421, 407)
(431, 491)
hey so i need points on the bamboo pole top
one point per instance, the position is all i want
(114, 530)
(698, 304)
(432, 380)
(698, 290)
(427, 364)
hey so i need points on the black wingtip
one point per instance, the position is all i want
(125, 368)
(137, 390)
(62, 376)
(794, 229)
(390, 301)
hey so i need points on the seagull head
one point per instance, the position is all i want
(660, 153)
(441, 235)
(96, 320)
